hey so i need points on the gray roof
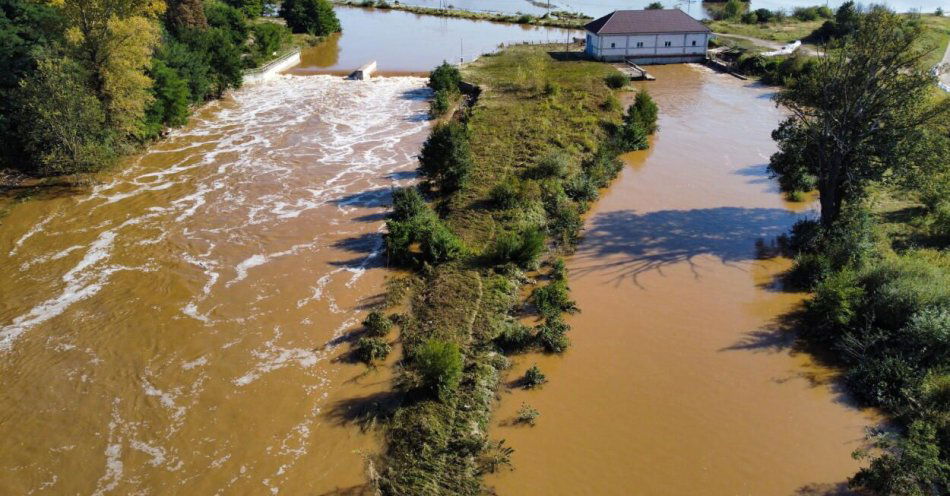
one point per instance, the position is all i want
(646, 21)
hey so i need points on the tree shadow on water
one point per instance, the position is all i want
(628, 244)
(827, 489)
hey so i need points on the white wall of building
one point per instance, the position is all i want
(618, 47)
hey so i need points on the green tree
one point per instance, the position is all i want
(114, 39)
(250, 8)
(186, 14)
(171, 97)
(315, 17)
(268, 39)
(230, 20)
(733, 9)
(193, 65)
(445, 159)
(655, 6)
(853, 114)
(26, 30)
(62, 122)
(847, 19)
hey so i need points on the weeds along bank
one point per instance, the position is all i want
(506, 180)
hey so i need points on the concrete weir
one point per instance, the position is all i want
(364, 72)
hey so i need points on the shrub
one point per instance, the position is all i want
(912, 466)
(581, 188)
(505, 194)
(377, 324)
(552, 335)
(439, 365)
(533, 377)
(616, 80)
(407, 203)
(807, 271)
(522, 247)
(525, 19)
(371, 349)
(602, 167)
(834, 306)
(564, 220)
(750, 18)
(552, 299)
(440, 103)
(555, 164)
(763, 15)
(631, 136)
(644, 110)
(440, 245)
(654, 6)
(514, 337)
(805, 237)
(559, 270)
(445, 77)
(314, 17)
(527, 415)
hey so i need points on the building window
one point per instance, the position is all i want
(613, 45)
(694, 42)
(639, 44)
(668, 43)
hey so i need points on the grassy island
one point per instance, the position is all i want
(482, 239)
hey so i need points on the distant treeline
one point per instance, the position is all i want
(84, 81)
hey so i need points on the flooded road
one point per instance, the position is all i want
(679, 380)
(176, 328)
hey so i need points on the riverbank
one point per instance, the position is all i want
(556, 19)
(531, 106)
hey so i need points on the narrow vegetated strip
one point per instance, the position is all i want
(508, 179)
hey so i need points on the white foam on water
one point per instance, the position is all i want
(114, 468)
(272, 357)
(36, 228)
(198, 362)
(157, 454)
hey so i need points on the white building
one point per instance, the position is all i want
(661, 36)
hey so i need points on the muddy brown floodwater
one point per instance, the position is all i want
(176, 329)
(679, 381)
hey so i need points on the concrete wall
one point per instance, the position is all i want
(272, 69)
(649, 48)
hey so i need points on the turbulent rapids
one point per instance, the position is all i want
(173, 328)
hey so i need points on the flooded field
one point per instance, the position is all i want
(176, 329)
(401, 42)
(680, 380)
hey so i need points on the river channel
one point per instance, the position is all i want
(178, 326)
